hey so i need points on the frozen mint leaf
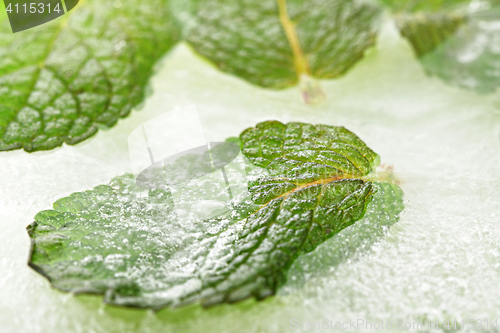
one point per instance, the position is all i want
(382, 213)
(427, 31)
(129, 245)
(275, 43)
(61, 80)
(453, 42)
(428, 23)
(470, 59)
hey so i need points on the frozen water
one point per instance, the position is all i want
(440, 261)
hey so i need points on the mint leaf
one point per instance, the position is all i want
(428, 23)
(412, 6)
(129, 245)
(60, 81)
(427, 31)
(274, 43)
(470, 58)
(382, 213)
(452, 42)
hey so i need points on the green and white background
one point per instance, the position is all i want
(439, 262)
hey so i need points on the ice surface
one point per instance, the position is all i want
(441, 260)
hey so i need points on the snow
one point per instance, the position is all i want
(439, 262)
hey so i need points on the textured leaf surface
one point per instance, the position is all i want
(60, 81)
(381, 214)
(272, 43)
(129, 245)
(301, 153)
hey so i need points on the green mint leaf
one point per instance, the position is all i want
(428, 23)
(452, 42)
(61, 80)
(412, 6)
(129, 245)
(274, 43)
(382, 213)
(470, 58)
(427, 31)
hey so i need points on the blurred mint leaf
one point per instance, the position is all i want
(427, 31)
(412, 6)
(470, 59)
(454, 40)
(128, 244)
(275, 43)
(428, 23)
(61, 80)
